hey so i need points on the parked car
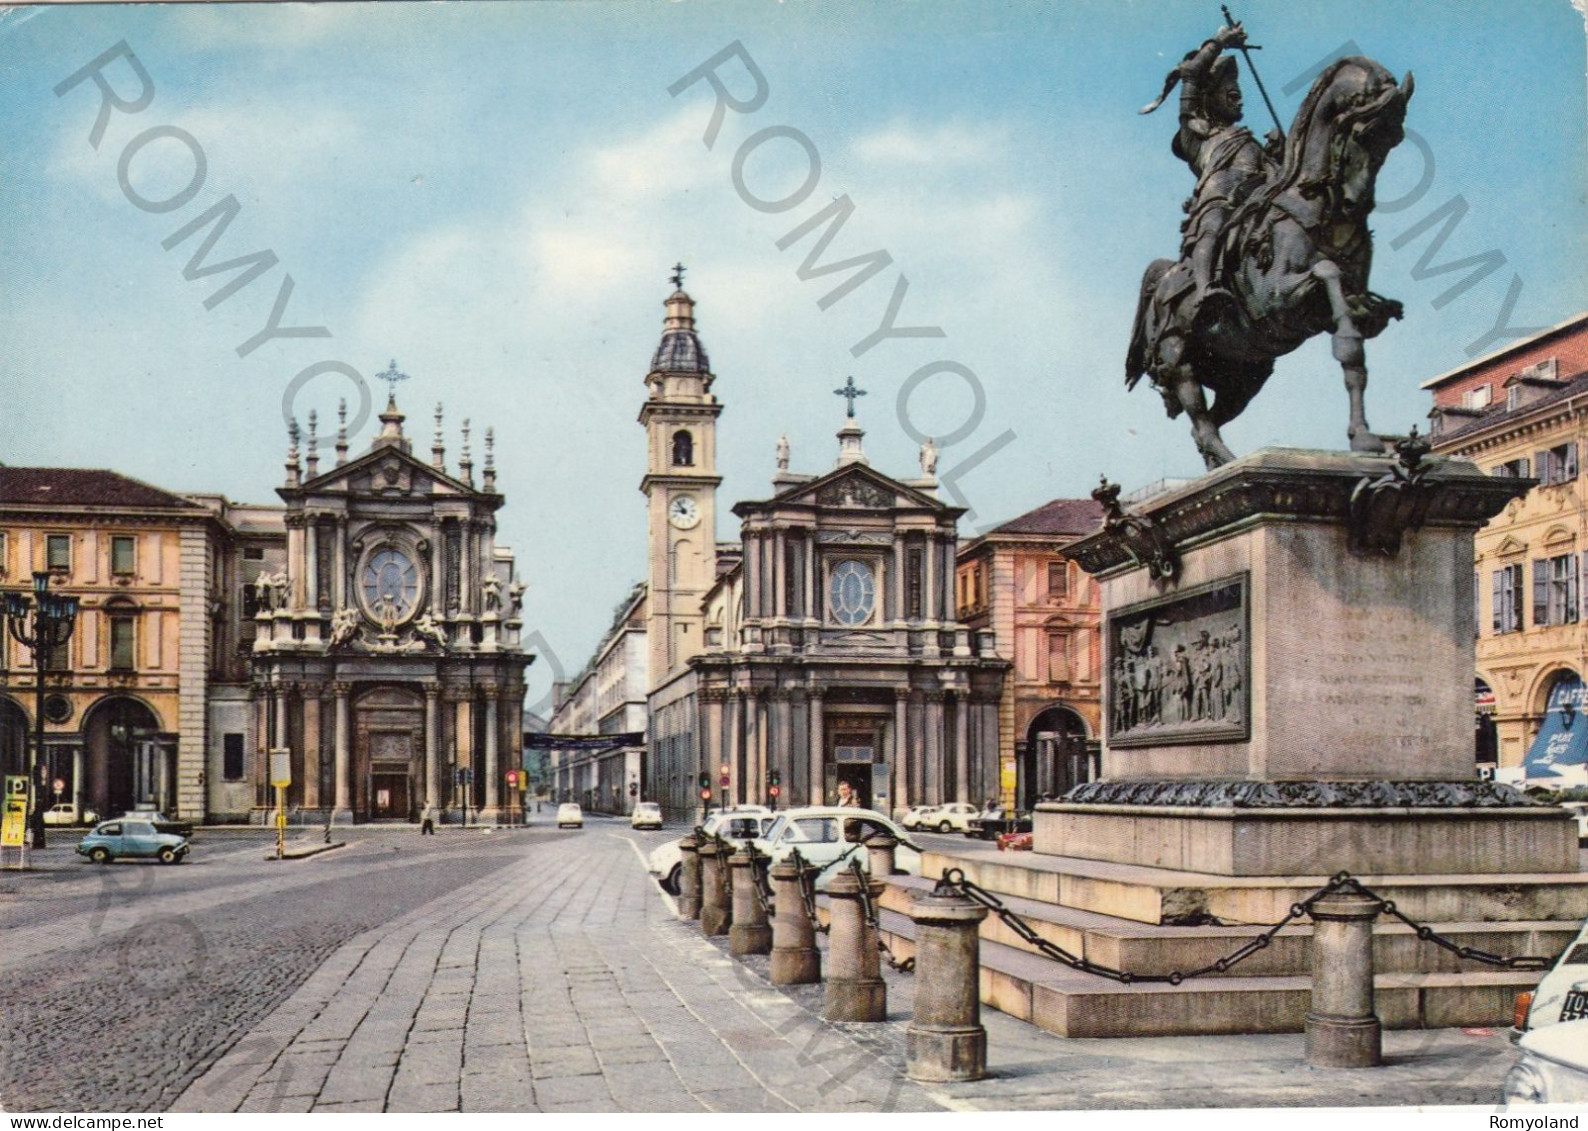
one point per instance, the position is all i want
(990, 824)
(161, 823)
(1553, 1068)
(132, 839)
(953, 817)
(65, 813)
(570, 815)
(829, 836)
(1579, 812)
(1561, 994)
(918, 817)
(744, 823)
(646, 815)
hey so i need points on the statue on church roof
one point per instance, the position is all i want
(491, 587)
(344, 624)
(929, 458)
(426, 627)
(515, 597)
(782, 453)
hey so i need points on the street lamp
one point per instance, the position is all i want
(41, 625)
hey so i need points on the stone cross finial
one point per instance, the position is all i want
(678, 276)
(313, 460)
(438, 449)
(391, 375)
(292, 452)
(488, 480)
(341, 431)
(849, 392)
(466, 460)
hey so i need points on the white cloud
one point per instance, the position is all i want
(943, 144)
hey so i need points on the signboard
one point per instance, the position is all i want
(512, 777)
(281, 768)
(14, 815)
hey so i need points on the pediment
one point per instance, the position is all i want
(386, 470)
(860, 488)
(1510, 545)
(1557, 535)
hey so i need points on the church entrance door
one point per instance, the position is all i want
(388, 753)
(390, 800)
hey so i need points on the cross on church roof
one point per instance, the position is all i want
(849, 392)
(391, 375)
(677, 276)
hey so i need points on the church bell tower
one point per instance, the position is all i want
(680, 419)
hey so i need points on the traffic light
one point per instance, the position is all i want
(705, 787)
(774, 783)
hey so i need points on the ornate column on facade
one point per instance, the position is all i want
(932, 760)
(903, 787)
(733, 736)
(754, 745)
(780, 575)
(311, 561)
(813, 598)
(432, 784)
(493, 769)
(900, 605)
(339, 564)
(310, 701)
(343, 812)
(818, 751)
(961, 790)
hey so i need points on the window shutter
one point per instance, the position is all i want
(1497, 611)
(1571, 589)
(1540, 591)
(1570, 470)
(1522, 468)
(1542, 464)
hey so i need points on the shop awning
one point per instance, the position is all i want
(1561, 749)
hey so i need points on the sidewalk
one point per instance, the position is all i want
(564, 983)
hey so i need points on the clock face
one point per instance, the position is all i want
(390, 585)
(684, 512)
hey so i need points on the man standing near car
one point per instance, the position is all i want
(846, 796)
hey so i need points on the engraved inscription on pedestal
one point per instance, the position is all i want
(1179, 668)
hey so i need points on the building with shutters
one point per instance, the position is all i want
(1523, 411)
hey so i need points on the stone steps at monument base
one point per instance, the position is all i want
(1072, 1004)
(1162, 896)
(1141, 948)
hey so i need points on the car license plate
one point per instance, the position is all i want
(1575, 1006)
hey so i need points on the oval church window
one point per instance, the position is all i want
(851, 593)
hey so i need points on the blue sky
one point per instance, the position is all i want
(493, 195)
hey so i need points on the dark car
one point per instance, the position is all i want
(990, 824)
(161, 823)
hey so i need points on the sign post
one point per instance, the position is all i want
(281, 778)
(14, 817)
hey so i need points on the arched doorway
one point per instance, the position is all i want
(1559, 755)
(1485, 740)
(13, 738)
(129, 762)
(1055, 756)
(388, 754)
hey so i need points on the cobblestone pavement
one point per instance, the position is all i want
(532, 971)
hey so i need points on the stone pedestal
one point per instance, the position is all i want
(716, 913)
(1343, 1030)
(880, 854)
(1288, 667)
(750, 933)
(689, 878)
(855, 990)
(946, 1040)
(795, 959)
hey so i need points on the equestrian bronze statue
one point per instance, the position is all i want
(1275, 244)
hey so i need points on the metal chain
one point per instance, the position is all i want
(954, 879)
(1428, 934)
(903, 965)
(759, 883)
(807, 895)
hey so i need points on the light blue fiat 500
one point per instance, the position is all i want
(132, 839)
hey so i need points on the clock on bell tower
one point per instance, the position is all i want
(680, 419)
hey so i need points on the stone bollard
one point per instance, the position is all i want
(855, 990)
(946, 1040)
(689, 878)
(879, 853)
(1342, 1029)
(715, 912)
(795, 959)
(750, 933)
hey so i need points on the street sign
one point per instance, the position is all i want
(59, 785)
(14, 814)
(281, 767)
(634, 787)
(512, 777)
(724, 781)
(723, 770)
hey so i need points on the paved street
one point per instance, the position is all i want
(524, 970)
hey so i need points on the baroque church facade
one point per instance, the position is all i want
(822, 645)
(385, 649)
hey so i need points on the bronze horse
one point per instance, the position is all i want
(1294, 259)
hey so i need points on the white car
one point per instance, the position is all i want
(65, 813)
(952, 818)
(744, 823)
(1579, 812)
(569, 814)
(1562, 993)
(1553, 1068)
(646, 815)
(918, 817)
(829, 835)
